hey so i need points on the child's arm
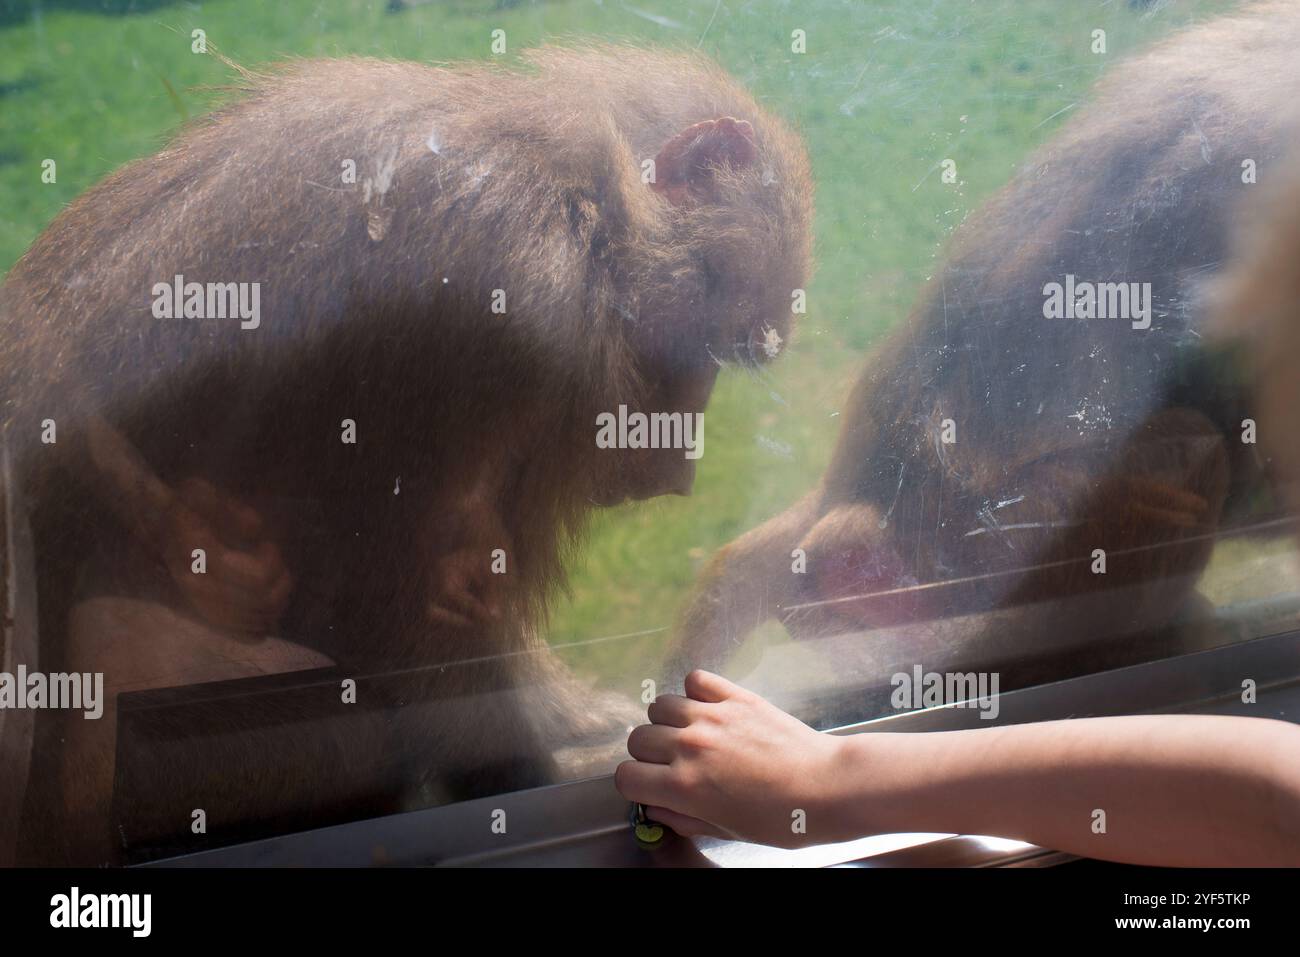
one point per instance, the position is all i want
(1175, 789)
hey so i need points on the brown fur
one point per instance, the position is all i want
(523, 180)
(1258, 302)
(1070, 435)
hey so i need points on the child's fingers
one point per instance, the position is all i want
(644, 782)
(653, 742)
(683, 824)
(706, 686)
(672, 710)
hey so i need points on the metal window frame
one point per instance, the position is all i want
(584, 823)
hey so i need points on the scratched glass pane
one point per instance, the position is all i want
(394, 436)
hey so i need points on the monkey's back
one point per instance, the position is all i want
(1140, 187)
(465, 179)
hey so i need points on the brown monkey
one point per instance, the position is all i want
(992, 451)
(1258, 302)
(413, 398)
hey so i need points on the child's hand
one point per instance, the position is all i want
(726, 763)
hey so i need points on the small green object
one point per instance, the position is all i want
(648, 834)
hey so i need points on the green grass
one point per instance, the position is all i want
(886, 90)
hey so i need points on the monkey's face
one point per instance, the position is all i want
(642, 474)
(719, 290)
(746, 302)
(743, 219)
(753, 266)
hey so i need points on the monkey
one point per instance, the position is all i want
(1015, 485)
(456, 271)
(1256, 303)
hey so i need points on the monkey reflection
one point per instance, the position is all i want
(1002, 453)
(472, 428)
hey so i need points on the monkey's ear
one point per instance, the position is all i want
(684, 167)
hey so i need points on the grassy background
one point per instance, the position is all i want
(886, 90)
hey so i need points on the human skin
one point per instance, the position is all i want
(1177, 790)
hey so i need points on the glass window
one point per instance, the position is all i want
(345, 436)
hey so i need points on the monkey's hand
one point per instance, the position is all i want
(469, 581)
(1154, 510)
(466, 591)
(746, 583)
(1161, 504)
(242, 584)
(856, 578)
